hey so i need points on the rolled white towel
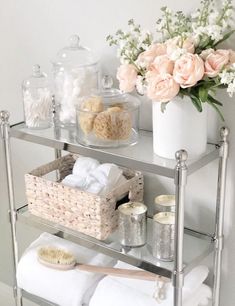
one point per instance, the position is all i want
(74, 181)
(65, 288)
(105, 177)
(199, 297)
(84, 165)
(112, 292)
(192, 281)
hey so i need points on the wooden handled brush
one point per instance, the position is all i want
(59, 259)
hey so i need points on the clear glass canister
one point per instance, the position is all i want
(37, 100)
(76, 73)
(108, 118)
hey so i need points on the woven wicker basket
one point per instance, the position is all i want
(76, 209)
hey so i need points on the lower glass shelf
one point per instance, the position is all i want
(35, 299)
(196, 246)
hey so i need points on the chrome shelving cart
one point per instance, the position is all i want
(190, 246)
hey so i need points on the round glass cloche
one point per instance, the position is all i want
(108, 118)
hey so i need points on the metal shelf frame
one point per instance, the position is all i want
(139, 157)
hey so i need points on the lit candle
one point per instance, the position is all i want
(164, 203)
(132, 224)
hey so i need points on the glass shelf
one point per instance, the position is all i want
(196, 246)
(35, 299)
(139, 156)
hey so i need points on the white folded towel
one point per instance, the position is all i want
(65, 288)
(104, 179)
(92, 177)
(84, 165)
(127, 292)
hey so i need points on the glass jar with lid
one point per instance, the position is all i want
(108, 118)
(37, 100)
(76, 73)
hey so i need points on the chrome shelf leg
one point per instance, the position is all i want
(219, 224)
(180, 183)
(4, 125)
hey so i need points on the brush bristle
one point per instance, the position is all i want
(56, 256)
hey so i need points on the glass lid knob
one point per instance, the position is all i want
(107, 82)
(74, 41)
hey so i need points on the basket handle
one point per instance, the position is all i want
(52, 166)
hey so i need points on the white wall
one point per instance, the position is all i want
(31, 32)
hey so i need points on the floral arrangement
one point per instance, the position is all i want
(184, 61)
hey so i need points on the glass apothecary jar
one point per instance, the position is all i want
(108, 118)
(76, 73)
(37, 100)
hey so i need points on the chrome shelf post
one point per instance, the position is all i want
(219, 218)
(4, 124)
(180, 184)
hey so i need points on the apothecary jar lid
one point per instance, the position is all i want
(111, 97)
(75, 55)
(37, 79)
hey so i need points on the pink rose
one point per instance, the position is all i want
(127, 76)
(177, 43)
(215, 62)
(205, 53)
(162, 87)
(172, 44)
(162, 64)
(148, 56)
(231, 57)
(189, 69)
(188, 45)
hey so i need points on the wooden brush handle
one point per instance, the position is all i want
(126, 273)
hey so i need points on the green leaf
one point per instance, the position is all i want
(217, 110)
(163, 106)
(213, 100)
(226, 36)
(203, 94)
(196, 102)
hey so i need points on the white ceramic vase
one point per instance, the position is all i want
(180, 126)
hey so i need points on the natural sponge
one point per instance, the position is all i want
(113, 124)
(89, 108)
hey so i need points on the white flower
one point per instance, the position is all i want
(195, 14)
(215, 32)
(228, 78)
(231, 89)
(161, 25)
(213, 17)
(177, 53)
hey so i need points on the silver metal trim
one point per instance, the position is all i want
(35, 299)
(219, 224)
(4, 125)
(180, 183)
(103, 155)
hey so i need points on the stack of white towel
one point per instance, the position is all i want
(126, 292)
(89, 175)
(65, 288)
(78, 288)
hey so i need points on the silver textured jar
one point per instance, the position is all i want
(163, 236)
(132, 224)
(164, 203)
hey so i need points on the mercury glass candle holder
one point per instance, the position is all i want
(163, 236)
(132, 224)
(164, 203)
